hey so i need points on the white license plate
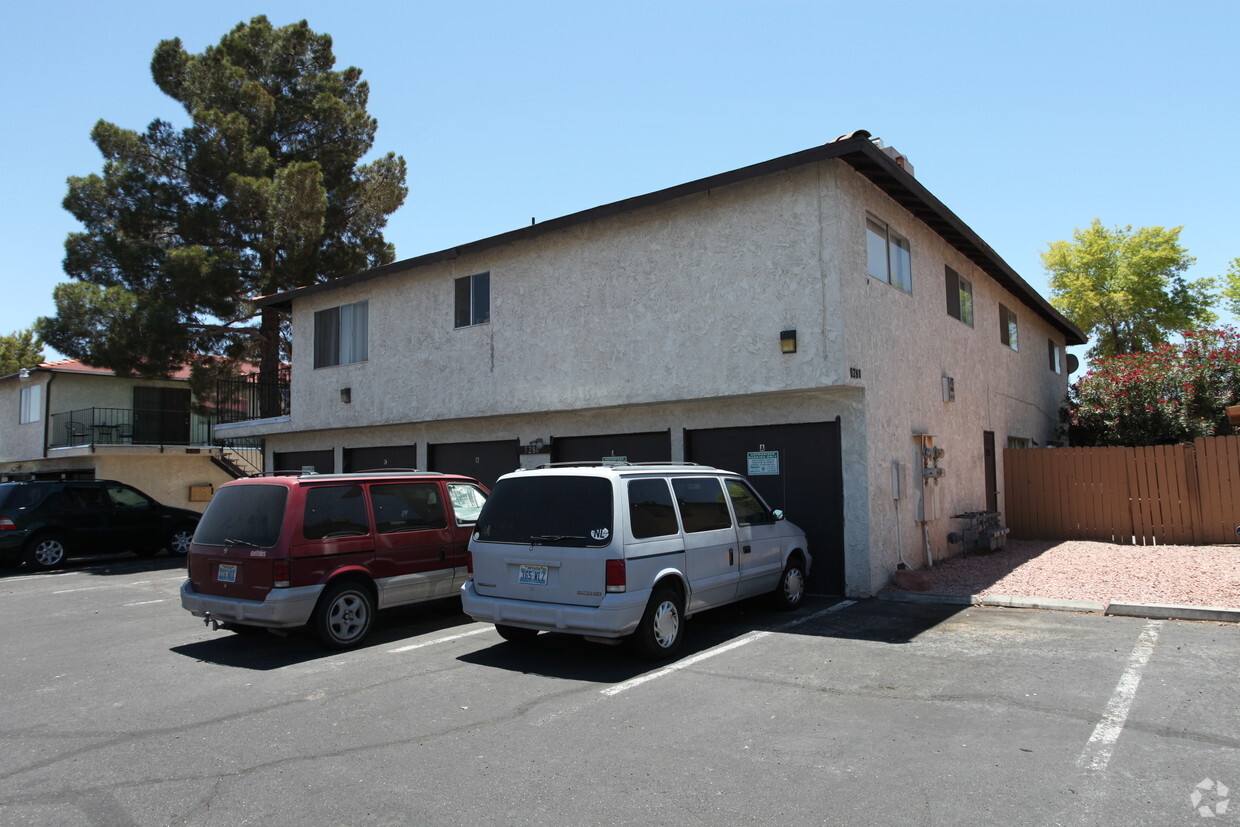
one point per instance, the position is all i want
(532, 575)
(227, 573)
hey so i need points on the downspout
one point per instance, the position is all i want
(47, 410)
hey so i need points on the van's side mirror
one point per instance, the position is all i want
(779, 513)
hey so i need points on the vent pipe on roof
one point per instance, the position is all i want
(894, 154)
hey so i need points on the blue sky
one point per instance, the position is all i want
(1026, 119)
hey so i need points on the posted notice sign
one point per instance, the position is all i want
(763, 463)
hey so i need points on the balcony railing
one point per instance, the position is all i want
(130, 426)
(247, 398)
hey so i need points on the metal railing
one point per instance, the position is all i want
(93, 427)
(246, 398)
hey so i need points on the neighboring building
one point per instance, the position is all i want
(70, 420)
(819, 322)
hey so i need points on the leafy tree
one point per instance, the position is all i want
(1174, 393)
(20, 349)
(1125, 287)
(263, 192)
(1231, 287)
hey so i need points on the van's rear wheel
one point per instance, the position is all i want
(662, 626)
(344, 614)
(515, 634)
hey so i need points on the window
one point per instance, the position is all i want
(1018, 442)
(340, 335)
(887, 255)
(702, 507)
(473, 300)
(337, 511)
(32, 404)
(651, 512)
(407, 507)
(467, 502)
(959, 297)
(1054, 356)
(1007, 327)
(749, 509)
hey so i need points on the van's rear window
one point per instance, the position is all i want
(243, 515)
(548, 511)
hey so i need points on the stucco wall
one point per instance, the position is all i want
(20, 441)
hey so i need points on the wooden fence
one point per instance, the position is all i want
(1164, 495)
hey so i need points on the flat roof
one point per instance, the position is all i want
(856, 149)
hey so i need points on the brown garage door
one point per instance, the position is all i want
(380, 457)
(652, 446)
(484, 461)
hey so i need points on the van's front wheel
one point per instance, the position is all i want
(790, 592)
(662, 626)
(344, 614)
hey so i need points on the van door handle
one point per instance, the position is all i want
(746, 549)
(731, 557)
(443, 554)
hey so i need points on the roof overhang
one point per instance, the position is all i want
(857, 150)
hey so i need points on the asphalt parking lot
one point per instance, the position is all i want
(120, 708)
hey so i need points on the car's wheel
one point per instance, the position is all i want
(662, 625)
(344, 614)
(790, 592)
(515, 634)
(178, 543)
(46, 551)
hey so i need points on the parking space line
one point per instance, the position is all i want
(718, 650)
(1101, 744)
(447, 639)
(147, 602)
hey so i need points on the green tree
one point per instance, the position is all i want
(1170, 394)
(20, 349)
(1125, 288)
(264, 191)
(1231, 287)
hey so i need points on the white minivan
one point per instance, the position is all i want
(612, 551)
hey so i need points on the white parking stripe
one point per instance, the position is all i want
(426, 643)
(1097, 752)
(146, 602)
(718, 650)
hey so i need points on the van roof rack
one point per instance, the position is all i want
(594, 463)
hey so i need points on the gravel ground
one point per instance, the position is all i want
(1081, 570)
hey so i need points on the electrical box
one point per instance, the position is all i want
(949, 389)
(200, 493)
(897, 480)
(929, 503)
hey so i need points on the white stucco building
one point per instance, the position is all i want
(805, 320)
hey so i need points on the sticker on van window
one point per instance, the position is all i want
(600, 534)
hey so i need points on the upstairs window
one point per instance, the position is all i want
(340, 335)
(1054, 356)
(1007, 328)
(888, 255)
(31, 404)
(959, 297)
(473, 300)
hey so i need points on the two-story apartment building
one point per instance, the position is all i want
(66, 419)
(820, 322)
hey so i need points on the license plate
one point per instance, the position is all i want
(532, 575)
(227, 573)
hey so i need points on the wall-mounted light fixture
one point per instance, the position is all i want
(787, 341)
(346, 395)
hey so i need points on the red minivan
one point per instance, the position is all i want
(327, 551)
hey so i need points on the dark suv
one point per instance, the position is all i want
(45, 521)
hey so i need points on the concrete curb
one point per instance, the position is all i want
(1160, 611)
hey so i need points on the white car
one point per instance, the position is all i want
(610, 551)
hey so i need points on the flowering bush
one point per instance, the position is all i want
(1171, 394)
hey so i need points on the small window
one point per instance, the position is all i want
(1054, 356)
(1007, 328)
(959, 297)
(31, 404)
(651, 510)
(1017, 442)
(407, 507)
(473, 300)
(749, 509)
(888, 256)
(340, 335)
(127, 498)
(335, 511)
(467, 502)
(702, 507)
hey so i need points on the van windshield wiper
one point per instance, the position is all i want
(554, 538)
(231, 542)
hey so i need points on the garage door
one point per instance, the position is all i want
(484, 461)
(652, 446)
(322, 462)
(794, 467)
(380, 458)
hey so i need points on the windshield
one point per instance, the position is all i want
(243, 515)
(548, 511)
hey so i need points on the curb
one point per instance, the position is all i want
(1159, 611)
